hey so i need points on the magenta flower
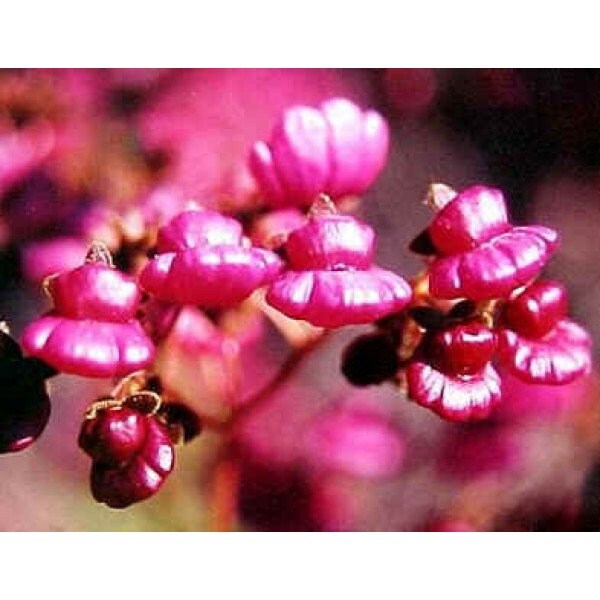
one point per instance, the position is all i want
(332, 281)
(451, 373)
(537, 343)
(356, 443)
(132, 455)
(92, 330)
(337, 149)
(204, 260)
(479, 254)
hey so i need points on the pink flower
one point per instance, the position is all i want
(537, 343)
(479, 254)
(354, 442)
(332, 281)
(92, 330)
(132, 455)
(204, 260)
(337, 149)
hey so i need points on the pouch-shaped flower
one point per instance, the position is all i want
(451, 372)
(538, 343)
(478, 254)
(337, 149)
(92, 331)
(132, 455)
(203, 259)
(331, 279)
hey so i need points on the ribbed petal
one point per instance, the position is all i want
(453, 398)
(558, 358)
(338, 298)
(345, 121)
(495, 268)
(88, 348)
(331, 242)
(262, 167)
(375, 145)
(210, 276)
(300, 150)
(139, 478)
(337, 149)
(475, 216)
(95, 291)
(196, 228)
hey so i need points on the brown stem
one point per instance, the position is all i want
(224, 495)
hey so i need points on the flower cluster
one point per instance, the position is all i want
(295, 254)
(477, 302)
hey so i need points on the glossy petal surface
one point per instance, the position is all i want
(337, 298)
(463, 349)
(88, 348)
(140, 477)
(558, 358)
(475, 216)
(535, 311)
(495, 268)
(331, 242)
(95, 291)
(196, 228)
(113, 436)
(454, 398)
(337, 149)
(204, 260)
(212, 276)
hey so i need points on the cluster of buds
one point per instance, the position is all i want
(478, 300)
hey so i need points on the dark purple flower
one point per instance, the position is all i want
(132, 455)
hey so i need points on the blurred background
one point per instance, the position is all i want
(81, 150)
